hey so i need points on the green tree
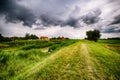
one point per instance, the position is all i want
(30, 36)
(27, 36)
(93, 35)
(1, 37)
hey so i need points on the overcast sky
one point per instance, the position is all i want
(53, 18)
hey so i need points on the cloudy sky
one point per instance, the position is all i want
(69, 18)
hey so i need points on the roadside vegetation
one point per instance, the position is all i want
(83, 60)
(57, 59)
(18, 56)
(113, 44)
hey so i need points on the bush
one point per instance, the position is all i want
(4, 58)
(36, 45)
(22, 54)
(27, 47)
(52, 48)
(67, 43)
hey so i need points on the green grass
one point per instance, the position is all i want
(107, 61)
(67, 60)
(84, 60)
(110, 42)
(26, 43)
(13, 62)
(113, 45)
(20, 57)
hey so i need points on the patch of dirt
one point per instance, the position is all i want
(4, 45)
(111, 46)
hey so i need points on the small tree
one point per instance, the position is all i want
(27, 36)
(30, 36)
(93, 35)
(1, 38)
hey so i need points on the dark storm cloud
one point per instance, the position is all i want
(111, 30)
(5, 5)
(92, 17)
(15, 13)
(116, 20)
(72, 22)
(48, 21)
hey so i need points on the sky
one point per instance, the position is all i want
(53, 18)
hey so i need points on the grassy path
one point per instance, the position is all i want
(106, 62)
(80, 61)
(37, 66)
(85, 52)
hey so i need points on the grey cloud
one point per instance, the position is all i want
(55, 12)
(111, 29)
(92, 17)
(49, 15)
(116, 20)
(72, 22)
(15, 13)
(48, 21)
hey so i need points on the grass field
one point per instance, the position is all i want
(60, 60)
(113, 45)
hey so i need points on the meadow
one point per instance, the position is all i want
(113, 45)
(60, 60)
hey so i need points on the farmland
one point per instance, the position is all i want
(60, 60)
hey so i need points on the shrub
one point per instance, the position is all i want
(22, 54)
(27, 47)
(52, 48)
(4, 58)
(36, 45)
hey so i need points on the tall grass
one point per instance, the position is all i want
(12, 62)
(107, 62)
(60, 44)
(113, 45)
(92, 62)
(110, 42)
(21, 55)
(20, 43)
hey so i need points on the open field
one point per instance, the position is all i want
(60, 60)
(113, 45)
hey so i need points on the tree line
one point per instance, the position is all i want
(26, 37)
(92, 35)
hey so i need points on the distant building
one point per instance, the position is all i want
(62, 38)
(44, 38)
(59, 38)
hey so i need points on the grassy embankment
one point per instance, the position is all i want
(18, 57)
(113, 45)
(79, 61)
